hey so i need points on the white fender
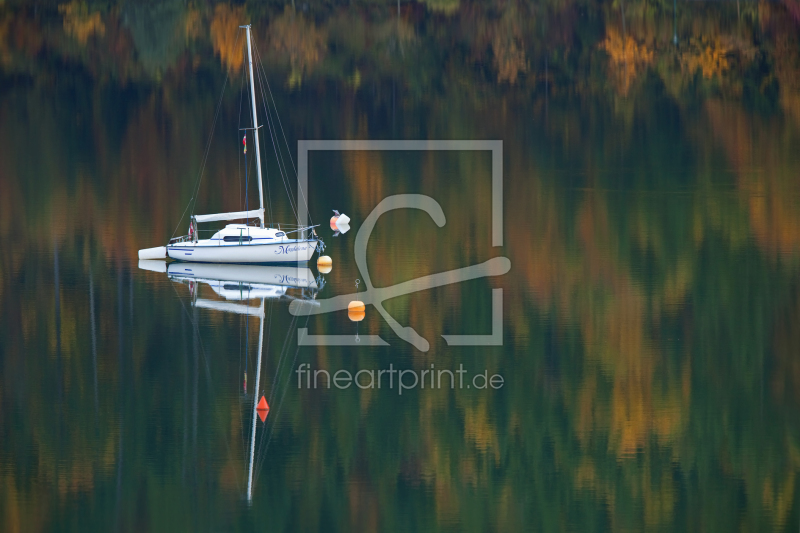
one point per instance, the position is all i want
(159, 252)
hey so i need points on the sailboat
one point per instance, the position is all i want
(242, 243)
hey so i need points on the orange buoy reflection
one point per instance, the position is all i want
(356, 311)
(324, 264)
(262, 409)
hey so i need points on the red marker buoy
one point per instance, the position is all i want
(262, 409)
(263, 405)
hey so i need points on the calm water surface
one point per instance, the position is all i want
(650, 320)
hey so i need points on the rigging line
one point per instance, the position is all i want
(246, 184)
(264, 442)
(280, 404)
(269, 194)
(269, 89)
(241, 418)
(246, 351)
(262, 439)
(246, 180)
(278, 158)
(268, 343)
(268, 191)
(274, 136)
(266, 168)
(274, 389)
(276, 145)
(269, 333)
(284, 351)
(211, 136)
(283, 134)
(249, 170)
(196, 331)
(252, 96)
(178, 225)
(278, 149)
(247, 344)
(239, 125)
(269, 201)
(281, 359)
(279, 155)
(269, 327)
(269, 337)
(196, 188)
(246, 166)
(281, 168)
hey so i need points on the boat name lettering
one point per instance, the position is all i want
(289, 279)
(285, 249)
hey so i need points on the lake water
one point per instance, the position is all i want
(643, 349)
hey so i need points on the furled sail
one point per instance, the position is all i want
(253, 213)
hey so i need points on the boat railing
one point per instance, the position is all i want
(299, 228)
(184, 238)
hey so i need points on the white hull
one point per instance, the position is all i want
(242, 282)
(207, 251)
(255, 275)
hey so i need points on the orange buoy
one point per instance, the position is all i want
(356, 311)
(333, 222)
(324, 264)
(357, 306)
(262, 409)
(262, 405)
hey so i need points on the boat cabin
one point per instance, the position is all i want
(241, 233)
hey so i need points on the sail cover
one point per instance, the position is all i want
(253, 213)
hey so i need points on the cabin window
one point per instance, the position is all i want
(236, 238)
(280, 234)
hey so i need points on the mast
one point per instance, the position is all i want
(255, 404)
(255, 125)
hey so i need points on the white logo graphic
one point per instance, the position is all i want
(493, 267)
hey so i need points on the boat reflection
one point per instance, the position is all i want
(241, 283)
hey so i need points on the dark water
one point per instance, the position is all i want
(650, 319)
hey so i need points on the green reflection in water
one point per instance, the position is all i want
(651, 314)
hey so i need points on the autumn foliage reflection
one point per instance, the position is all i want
(652, 223)
(226, 37)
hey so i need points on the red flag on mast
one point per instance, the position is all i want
(244, 142)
